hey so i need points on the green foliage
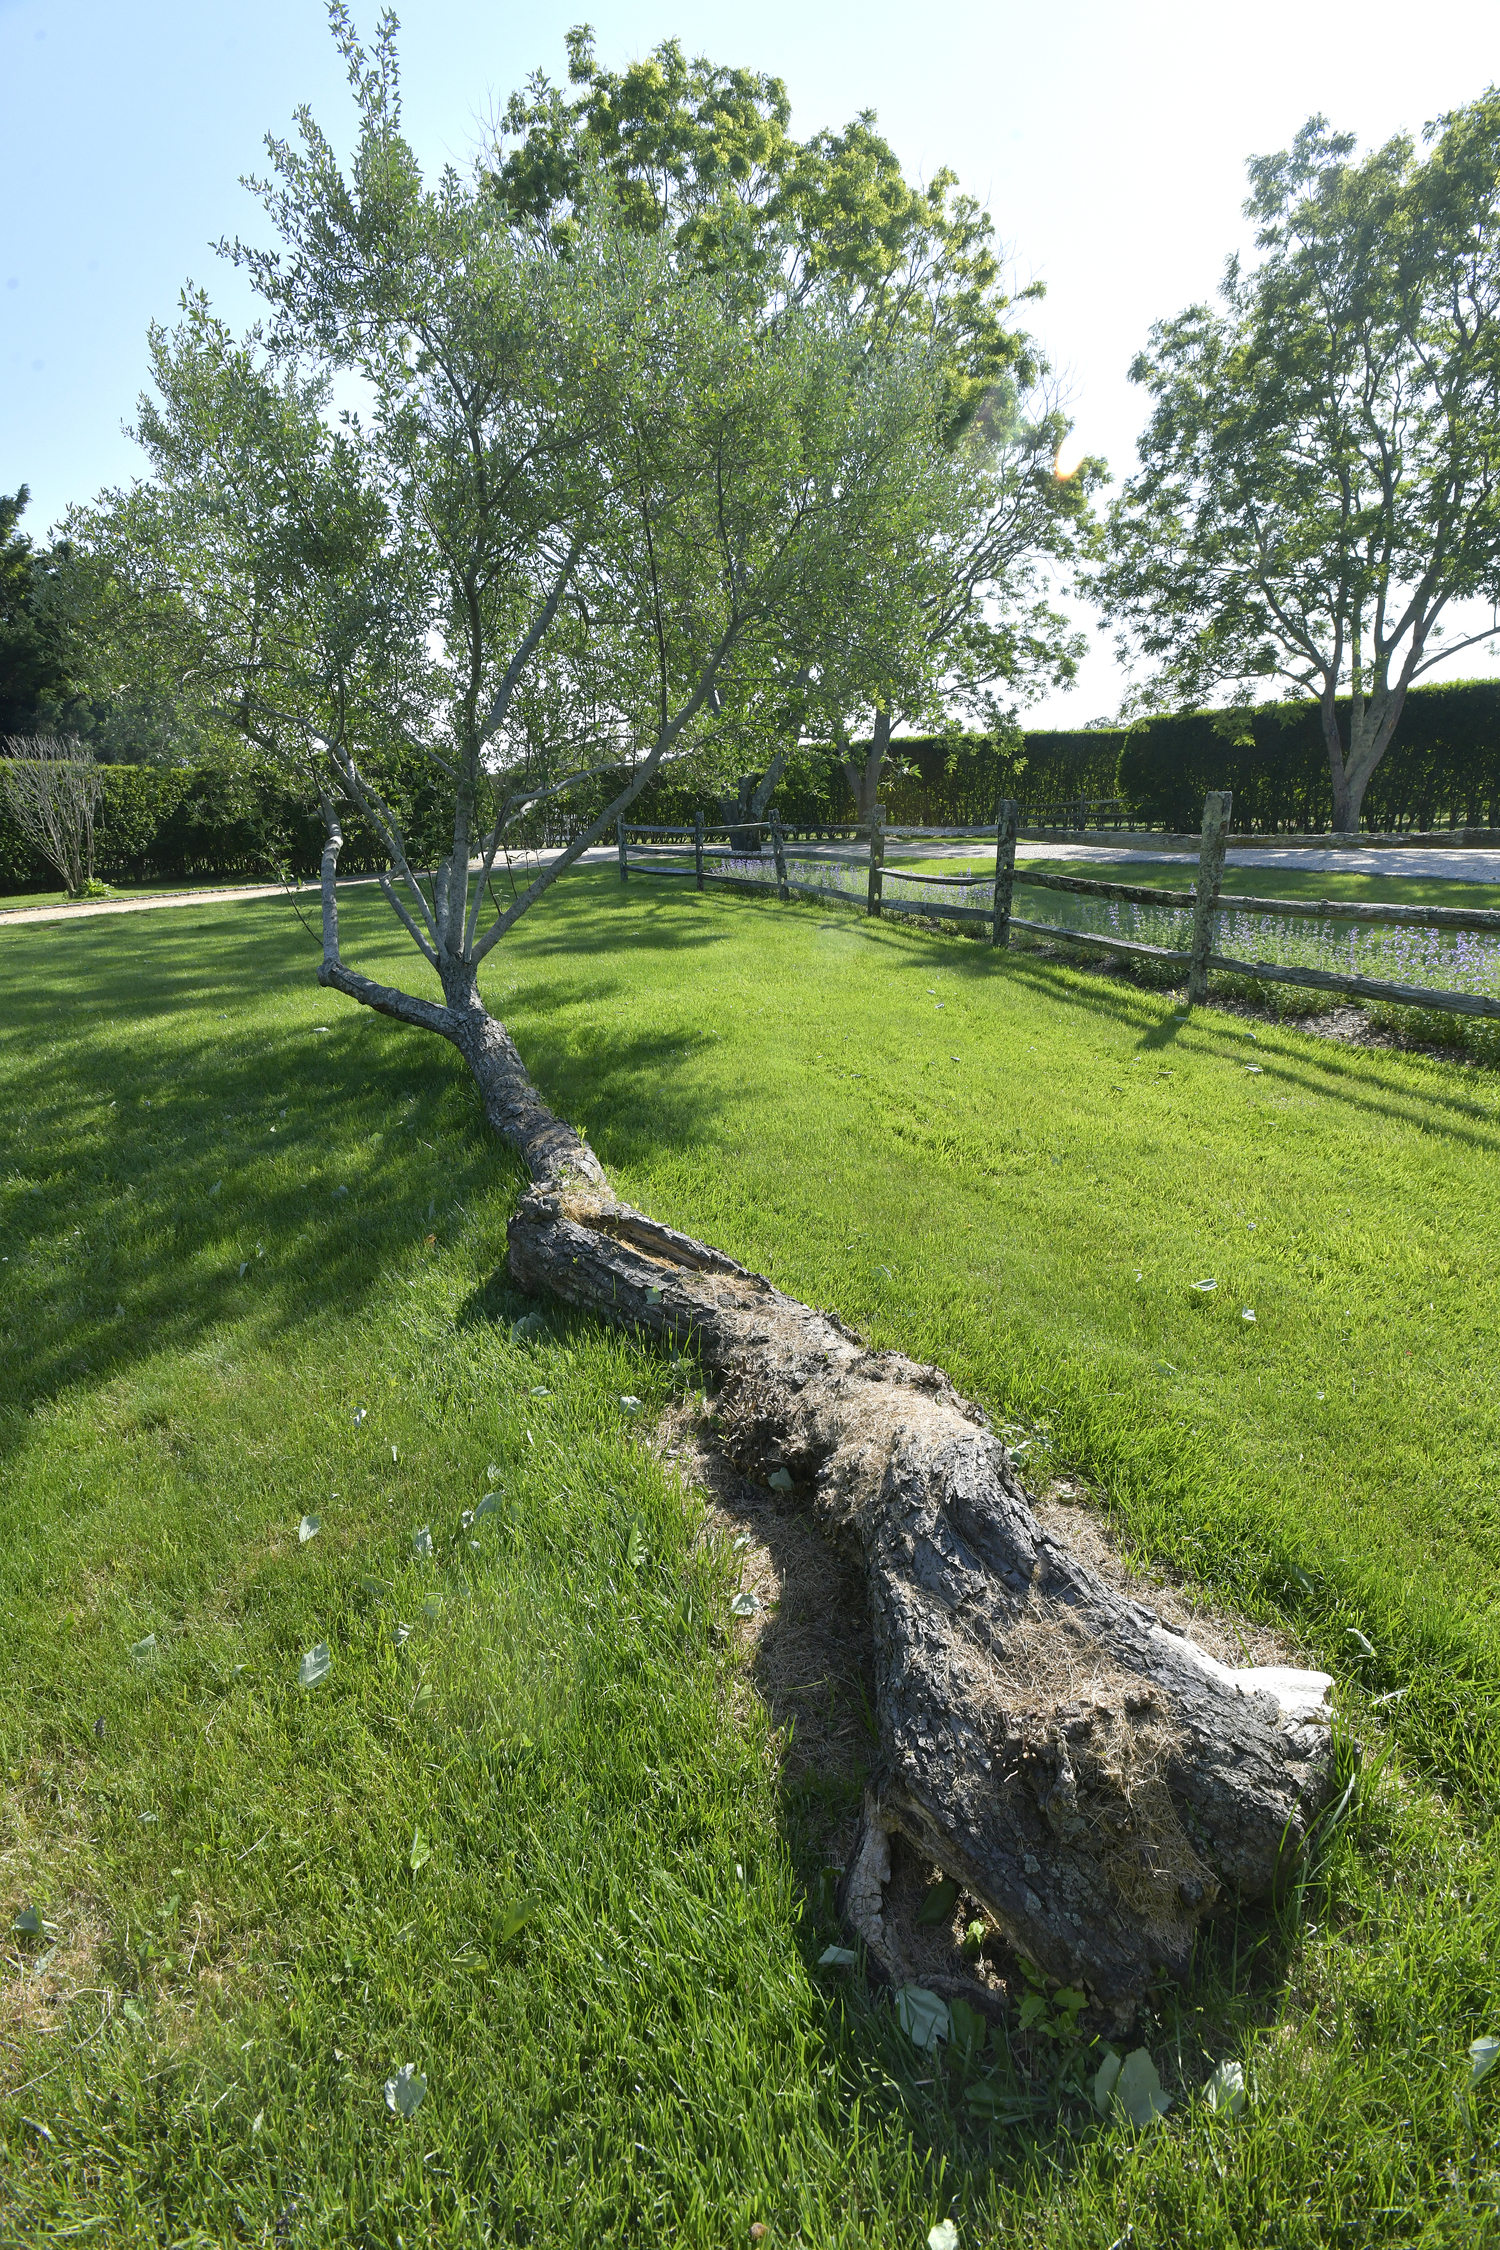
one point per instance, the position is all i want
(1443, 764)
(33, 656)
(249, 818)
(703, 157)
(1320, 478)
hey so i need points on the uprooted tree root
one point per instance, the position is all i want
(1095, 1780)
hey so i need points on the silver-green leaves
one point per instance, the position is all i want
(406, 2092)
(143, 1651)
(922, 2015)
(309, 1528)
(315, 1666)
(421, 1541)
(1226, 2089)
(1131, 2086)
(744, 1604)
(837, 1957)
(1483, 2056)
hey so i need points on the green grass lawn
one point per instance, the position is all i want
(530, 1834)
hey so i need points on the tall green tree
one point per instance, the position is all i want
(703, 156)
(1320, 476)
(590, 475)
(33, 650)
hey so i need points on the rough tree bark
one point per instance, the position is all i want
(1093, 1779)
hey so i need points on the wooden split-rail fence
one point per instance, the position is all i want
(663, 851)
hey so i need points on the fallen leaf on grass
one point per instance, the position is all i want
(143, 1651)
(421, 1541)
(315, 1666)
(1226, 2089)
(488, 1506)
(1483, 2056)
(406, 2092)
(944, 2236)
(309, 1528)
(837, 1957)
(922, 2016)
(631, 1405)
(1362, 1647)
(1204, 1287)
(420, 1853)
(28, 1923)
(780, 1480)
(1247, 1314)
(635, 1548)
(1137, 2089)
(744, 1604)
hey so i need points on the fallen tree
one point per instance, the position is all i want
(1096, 1781)
(665, 497)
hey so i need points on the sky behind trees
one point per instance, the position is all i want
(1109, 142)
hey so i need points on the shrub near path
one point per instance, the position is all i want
(514, 1838)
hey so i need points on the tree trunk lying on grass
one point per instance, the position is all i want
(1097, 1782)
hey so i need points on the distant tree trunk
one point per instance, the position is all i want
(864, 774)
(1373, 720)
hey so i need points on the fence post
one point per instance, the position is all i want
(877, 860)
(698, 845)
(1210, 871)
(778, 846)
(624, 862)
(1005, 869)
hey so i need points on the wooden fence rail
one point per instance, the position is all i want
(1204, 900)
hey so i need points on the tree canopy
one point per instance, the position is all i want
(704, 157)
(594, 496)
(1320, 475)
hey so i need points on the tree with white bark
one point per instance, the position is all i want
(1320, 478)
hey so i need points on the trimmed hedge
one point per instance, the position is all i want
(1442, 768)
(174, 822)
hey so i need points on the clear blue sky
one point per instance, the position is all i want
(1108, 140)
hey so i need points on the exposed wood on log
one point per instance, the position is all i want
(1096, 1781)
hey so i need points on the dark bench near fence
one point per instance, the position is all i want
(663, 851)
